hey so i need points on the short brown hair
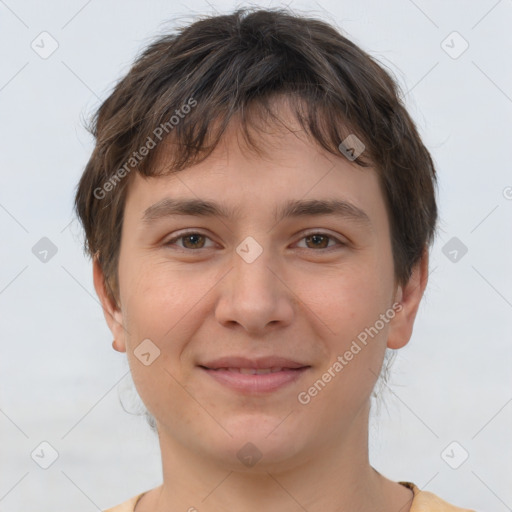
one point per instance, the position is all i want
(223, 66)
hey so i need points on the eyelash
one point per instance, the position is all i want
(188, 233)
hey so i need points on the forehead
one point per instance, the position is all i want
(259, 129)
(283, 166)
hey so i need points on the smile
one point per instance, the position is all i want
(255, 380)
(252, 371)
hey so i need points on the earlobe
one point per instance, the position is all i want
(409, 296)
(111, 310)
(117, 347)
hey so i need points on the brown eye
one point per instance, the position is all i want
(194, 240)
(320, 241)
(190, 241)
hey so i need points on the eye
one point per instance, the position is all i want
(191, 240)
(319, 240)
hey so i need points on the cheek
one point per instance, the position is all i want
(167, 306)
(156, 304)
(346, 300)
(158, 298)
(349, 304)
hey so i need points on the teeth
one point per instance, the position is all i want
(253, 371)
(250, 371)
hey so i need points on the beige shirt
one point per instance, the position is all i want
(423, 501)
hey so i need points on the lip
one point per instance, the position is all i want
(256, 384)
(220, 371)
(256, 363)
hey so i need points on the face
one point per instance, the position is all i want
(289, 275)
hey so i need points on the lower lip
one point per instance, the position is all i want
(262, 383)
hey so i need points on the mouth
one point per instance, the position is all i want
(256, 376)
(252, 371)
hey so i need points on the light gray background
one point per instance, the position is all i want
(59, 377)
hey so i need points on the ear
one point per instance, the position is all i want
(409, 296)
(111, 310)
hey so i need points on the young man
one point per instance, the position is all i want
(259, 209)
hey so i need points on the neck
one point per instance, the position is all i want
(334, 476)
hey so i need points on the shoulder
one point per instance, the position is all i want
(425, 501)
(127, 506)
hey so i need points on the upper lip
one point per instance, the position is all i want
(256, 363)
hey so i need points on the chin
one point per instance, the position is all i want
(261, 444)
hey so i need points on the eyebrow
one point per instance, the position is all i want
(168, 207)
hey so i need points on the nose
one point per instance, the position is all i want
(255, 295)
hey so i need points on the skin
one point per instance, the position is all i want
(197, 299)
